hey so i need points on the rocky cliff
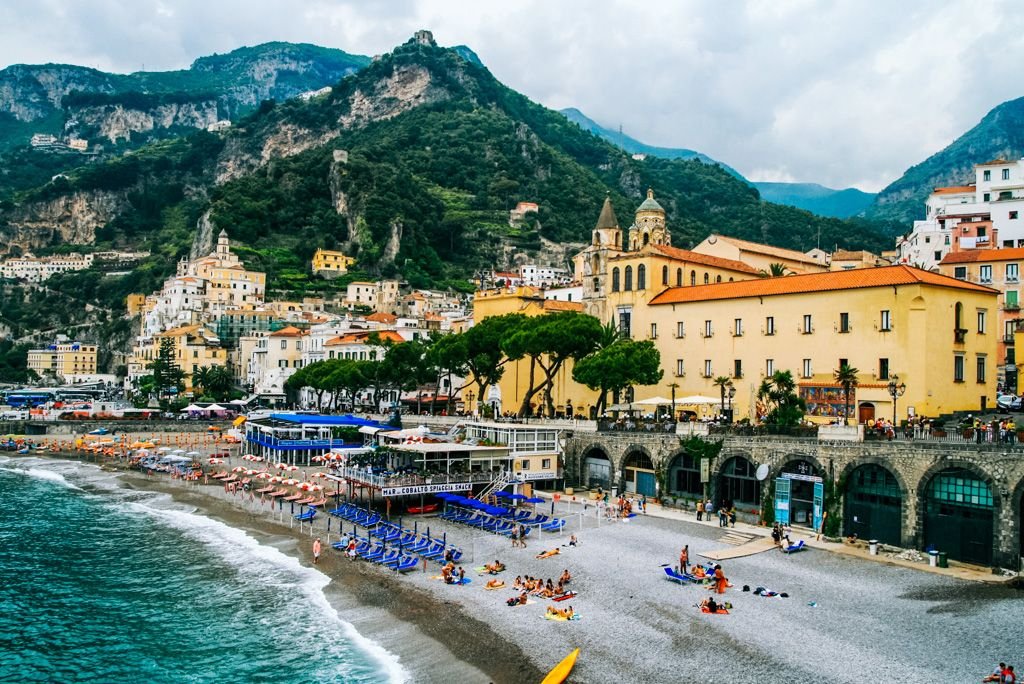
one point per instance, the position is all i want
(73, 218)
(116, 122)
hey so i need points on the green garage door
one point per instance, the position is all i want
(874, 505)
(960, 516)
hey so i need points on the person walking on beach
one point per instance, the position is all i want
(316, 551)
(684, 559)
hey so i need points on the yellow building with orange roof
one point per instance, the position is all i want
(330, 263)
(933, 332)
(195, 347)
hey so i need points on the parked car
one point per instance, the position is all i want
(1009, 402)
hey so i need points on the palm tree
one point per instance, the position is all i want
(846, 376)
(775, 270)
(722, 382)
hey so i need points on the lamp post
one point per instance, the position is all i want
(896, 390)
(673, 386)
(469, 403)
(732, 393)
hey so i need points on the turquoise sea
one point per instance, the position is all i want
(106, 584)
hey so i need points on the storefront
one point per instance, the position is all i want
(597, 470)
(738, 484)
(799, 495)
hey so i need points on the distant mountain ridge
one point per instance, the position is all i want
(811, 197)
(999, 135)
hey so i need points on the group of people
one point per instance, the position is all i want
(1003, 674)
(538, 587)
(519, 537)
(452, 575)
(780, 536)
(1004, 430)
(726, 512)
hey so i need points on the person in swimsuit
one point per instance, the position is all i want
(316, 551)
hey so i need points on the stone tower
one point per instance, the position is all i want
(649, 225)
(223, 246)
(607, 232)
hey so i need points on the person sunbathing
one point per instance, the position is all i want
(709, 605)
(548, 591)
(565, 578)
(559, 589)
(518, 583)
(558, 612)
(495, 567)
(523, 598)
(547, 554)
(495, 584)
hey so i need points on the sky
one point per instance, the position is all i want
(846, 94)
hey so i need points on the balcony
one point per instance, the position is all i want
(1008, 339)
(959, 335)
(1011, 306)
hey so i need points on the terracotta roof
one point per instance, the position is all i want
(607, 218)
(770, 250)
(289, 331)
(885, 276)
(705, 259)
(361, 337)
(555, 305)
(381, 317)
(954, 190)
(971, 256)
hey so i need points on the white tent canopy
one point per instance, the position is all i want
(697, 400)
(216, 407)
(192, 408)
(654, 401)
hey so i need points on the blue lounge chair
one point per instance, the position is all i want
(682, 578)
(375, 554)
(306, 516)
(407, 564)
(793, 548)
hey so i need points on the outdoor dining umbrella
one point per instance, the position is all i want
(517, 497)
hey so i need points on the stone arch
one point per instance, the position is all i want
(870, 510)
(736, 481)
(594, 473)
(1017, 517)
(925, 519)
(664, 275)
(683, 475)
(638, 468)
(801, 492)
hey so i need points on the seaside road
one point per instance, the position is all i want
(870, 621)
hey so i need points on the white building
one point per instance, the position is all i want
(37, 269)
(543, 276)
(996, 196)
(573, 292)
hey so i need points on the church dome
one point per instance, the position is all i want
(650, 204)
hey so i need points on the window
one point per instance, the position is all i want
(769, 367)
(885, 322)
(195, 353)
(680, 329)
(284, 344)
(960, 273)
(981, 321)
(707, 279)
(738, 327)
(981, 368)
(625, 319)
(958, 368)
(283, 363)
(545, 463)
(1006, 174)
(806, 368)
(707, 368)
(985, 274)
(718, 279)
(1014, 215)
(679, 277)
(680, 368)
(986, 197)
(769, 325)
(883, 369)
(986, 175)
(708, 332)
(525, 465)
(1011, 300)
(844, 322)
(654, 331)
(641, 277)
(693, 277)
(615, 279)
(808, 326)
(937, 255)
(737, 368)
(664, 275)
(627, 280)
(195, 368)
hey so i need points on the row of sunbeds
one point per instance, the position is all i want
(390, 545)
(504, 525)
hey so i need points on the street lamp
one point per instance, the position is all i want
(732, 393)
(469, 403)
(896, 390)
(673, 386)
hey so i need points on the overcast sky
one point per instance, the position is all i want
(839, 93)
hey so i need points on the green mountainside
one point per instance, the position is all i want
(411, 164)
(999, 135)
(817, 199)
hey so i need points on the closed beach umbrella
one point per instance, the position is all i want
(534, 500)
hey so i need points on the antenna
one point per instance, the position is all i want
(620, 129)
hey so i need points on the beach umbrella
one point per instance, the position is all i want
(193, 453)
(534, 500)
(238, 469)
(164, 449)
(317, 488)
(517, 497)
(502, 495)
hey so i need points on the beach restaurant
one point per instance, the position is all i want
(295, 438)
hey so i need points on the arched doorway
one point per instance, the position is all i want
(638, 471)
(738, 483)
(597, 469)
(684, 476)
(865, 412)
(806, 492)
(874, 505)
(959, 515)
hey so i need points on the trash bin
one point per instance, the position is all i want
(568, 491)
(933, 558)
(873, 547)
(943, 560)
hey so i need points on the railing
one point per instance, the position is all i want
(986, 436)
(365, 476)
(797, 431)
(637, 425)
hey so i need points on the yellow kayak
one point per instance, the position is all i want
(561, 671)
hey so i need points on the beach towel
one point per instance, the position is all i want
(720, 611)
(560, 618)
(565, 597)
(500, 585)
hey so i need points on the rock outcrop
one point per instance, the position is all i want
(72, 218)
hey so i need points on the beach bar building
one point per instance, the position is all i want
(295, 438)
(534, 451)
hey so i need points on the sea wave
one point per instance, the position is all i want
(247, 553)
(43, 474)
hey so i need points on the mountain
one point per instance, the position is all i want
(999, 135)
(817, 199)
(634, 146)
(104, 107)
(410, 164)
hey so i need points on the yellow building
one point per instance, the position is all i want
(228, 284)
(329, 263)
(195, 347)
(931, 330)
(63, 360)
(844, 260)
(135, 304)
(759, 256)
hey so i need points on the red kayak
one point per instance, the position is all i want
(429, 508)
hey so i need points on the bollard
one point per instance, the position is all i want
(873, 547)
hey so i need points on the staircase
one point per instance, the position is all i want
(734, 538)
(454, 430)
(494, 486)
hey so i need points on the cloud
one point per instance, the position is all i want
(841, 93)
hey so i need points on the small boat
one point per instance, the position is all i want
(415, 510)
(560, 672)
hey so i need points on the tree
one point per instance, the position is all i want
(617, 366)
(846, 376)
(722, 382)
(484, 355)
(448, 355)
(549, 341)
(782, 404)
(775, 270)
(168, 377)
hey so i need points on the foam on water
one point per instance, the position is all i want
(42, 474)
(253, 558)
